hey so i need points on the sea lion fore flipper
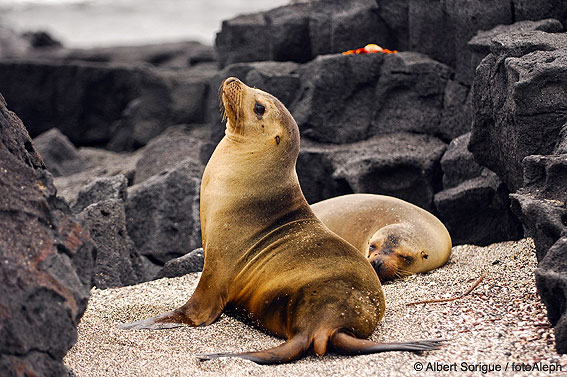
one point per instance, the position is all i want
(350, 345)
(200, 310)
(288, 351)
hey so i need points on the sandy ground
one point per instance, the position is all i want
(501, 325)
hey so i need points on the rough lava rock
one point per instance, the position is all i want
(100, 163)
(190, 262)
(117, 262)
(474, 203)
(118, 106)
(400, 164)
(46, 269)
(481, 42)
(100, 189)
(551, 282)
(542, 203)
(299, 32)
(520, 101)
(169, 55)
(166, 151)
(59, 154)
(162, 213)
(347, 98)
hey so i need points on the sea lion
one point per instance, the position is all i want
(267, 256)
(397, 237)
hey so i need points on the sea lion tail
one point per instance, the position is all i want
(350, 345)
(288, 351)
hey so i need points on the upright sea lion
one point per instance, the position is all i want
(397, 237)
(267, 256)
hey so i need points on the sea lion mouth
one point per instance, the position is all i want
(231, 95)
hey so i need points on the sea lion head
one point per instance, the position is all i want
(392, 257)
(258, 119)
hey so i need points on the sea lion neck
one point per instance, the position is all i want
(263, 195)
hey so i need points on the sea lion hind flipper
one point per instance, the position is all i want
(288, 351)
(350, 345)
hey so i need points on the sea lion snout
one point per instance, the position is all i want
(230, 79)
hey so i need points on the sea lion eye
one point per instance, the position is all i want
(259, 110)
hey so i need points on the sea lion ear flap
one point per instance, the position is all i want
(424, 254)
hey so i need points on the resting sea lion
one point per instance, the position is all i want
(267, 256)
(397, 237)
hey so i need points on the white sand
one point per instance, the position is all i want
(500, 323)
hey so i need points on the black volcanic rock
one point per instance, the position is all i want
(551, 282)
(347, 98)
(403, 165)
(458, 163)
(542, 206)
(477, 211)
(59, 154)
(46, 269)
(42, 40)
(119, 106)
(166, 151)
(162, 213)
(100, 189)
(474, 203)
(190, 262)
(520, 97)
(299, 32)
(117, 262)
(170, 55)
(441, 29)
(481, 42)
(542, 202)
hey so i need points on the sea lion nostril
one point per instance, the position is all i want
(377, 264)
(230, 79)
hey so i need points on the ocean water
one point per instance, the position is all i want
(97, 23)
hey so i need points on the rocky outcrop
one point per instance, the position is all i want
(117, 261)
(46, 269)
(520, 97)
(403, 165)
(162, 213)
(59, 154)
(474, 203)
(100, 189)
(351, 98)
(190, 262)
(542, 202)
(167, 150)
(144, 101)
(170, 55)
(551, 282)
(480, 44)
(299, 32)
(520, 112)
(439, 29)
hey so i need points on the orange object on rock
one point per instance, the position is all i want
(370, 49)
